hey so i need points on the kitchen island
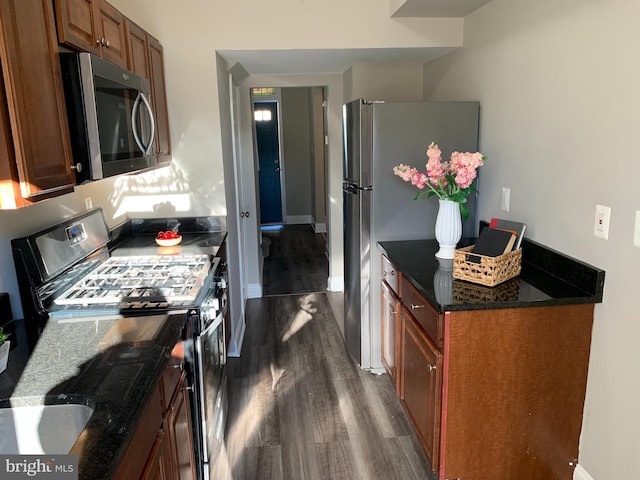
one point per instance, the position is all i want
(493, 379)
(128, 368)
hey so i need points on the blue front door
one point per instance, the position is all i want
(266, 121)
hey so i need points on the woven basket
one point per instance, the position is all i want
(490, 271)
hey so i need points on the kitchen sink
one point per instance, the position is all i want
(41, 429)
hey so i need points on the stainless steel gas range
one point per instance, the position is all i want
(66, 273)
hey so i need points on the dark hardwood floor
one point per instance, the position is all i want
(299, 407)
(297, 261)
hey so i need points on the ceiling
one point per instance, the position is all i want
(434, 8)
(284, 62)
(319, 61)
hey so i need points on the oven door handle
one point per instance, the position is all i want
(215, 323)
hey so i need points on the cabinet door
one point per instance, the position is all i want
(79, 25)
(114, 45)
(156, 467)
(158, 92)
(390, 312)
(35, 100)
(421, 385)
(137, 57)
(181, 436)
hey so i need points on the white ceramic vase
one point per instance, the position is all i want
(4, 355)
(448, 228)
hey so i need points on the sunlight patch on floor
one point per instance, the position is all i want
(303, 316)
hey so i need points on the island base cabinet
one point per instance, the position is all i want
(513, 395)
(390, 308)
(420, 385)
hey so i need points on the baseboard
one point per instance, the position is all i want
(581, 474)
(235, 343)
(299, 220)
(335, 284)
(320, 227)
(254, 290)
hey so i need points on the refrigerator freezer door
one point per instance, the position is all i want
(356, 227)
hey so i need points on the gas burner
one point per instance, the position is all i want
(134, 281)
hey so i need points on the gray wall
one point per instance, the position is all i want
(296, 150)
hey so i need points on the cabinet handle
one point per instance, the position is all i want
(385, 273)
(393, 312)
(415, 307)
(77, 167)
(431, 368)
(107, 43)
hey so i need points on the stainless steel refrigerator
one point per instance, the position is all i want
(379, 206)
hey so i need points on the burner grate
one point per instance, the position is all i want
(140, 278)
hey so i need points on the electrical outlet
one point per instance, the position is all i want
(88, 204)
(636, 230)
(601, 224)
(506, 197)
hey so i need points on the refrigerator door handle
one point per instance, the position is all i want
(352, 187)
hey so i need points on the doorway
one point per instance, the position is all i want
(270, 172)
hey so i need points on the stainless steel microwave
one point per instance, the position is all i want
(110, 117)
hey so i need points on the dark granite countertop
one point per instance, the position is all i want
(547, 278)
(108, 363)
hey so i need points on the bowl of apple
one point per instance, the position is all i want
(168, 238)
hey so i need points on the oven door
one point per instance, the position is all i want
(212, 357)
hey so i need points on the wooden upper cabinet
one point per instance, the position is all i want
(137, 49)
(92, 26)
(159, 94)
(114, 40)
(145, 58)
(38, 160)
(78, 24)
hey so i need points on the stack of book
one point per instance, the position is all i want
(500, 237)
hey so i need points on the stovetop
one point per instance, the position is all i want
(159, 279)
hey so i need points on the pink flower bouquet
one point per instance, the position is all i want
(450, 180)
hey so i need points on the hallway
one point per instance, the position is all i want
(299, 407)
(297, 260)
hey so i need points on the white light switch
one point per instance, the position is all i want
(506, 197)
(601, 224)
(636, 230)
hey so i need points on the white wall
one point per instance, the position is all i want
(558, 84)
(296, 151)
(390, 83)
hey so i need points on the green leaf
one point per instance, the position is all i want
(464, 212)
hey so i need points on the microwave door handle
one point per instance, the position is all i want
(134, 114)
(152, 134)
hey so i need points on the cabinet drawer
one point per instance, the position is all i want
(171, 375)
(424, 313)
(390, 274)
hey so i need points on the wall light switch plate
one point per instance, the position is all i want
(636, 230)
(88, 204)
(506, 198)
(601, 224)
